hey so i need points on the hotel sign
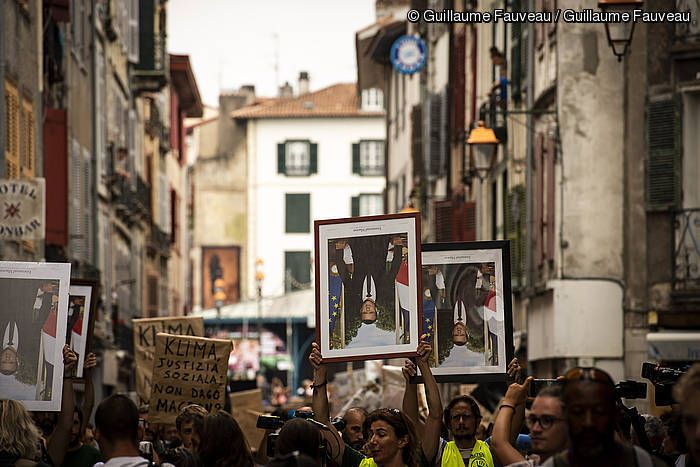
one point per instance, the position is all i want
(22, 213)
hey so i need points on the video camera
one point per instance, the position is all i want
(631, 390)
(273, 422)
(663, 379)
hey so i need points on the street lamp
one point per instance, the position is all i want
(482, 143)
(619, 32)
(259, 278)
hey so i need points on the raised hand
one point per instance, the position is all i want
(517, 393)
(424, 350)
(70, 358)
(90, 361)
(315, 357)
(514, 371)
(409, 370)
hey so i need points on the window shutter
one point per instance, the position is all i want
(551, 192)
(539, 194)
(297, 269)
(436, 135)
(443, 221)
(463, 221)
(87, 205)
(12, 131)
(297, 212)
(30, 164)
(663, 187)
(355, 206)
(280, 158)
(56, 173)
(134, 31)
(417, 140)
(356, 158)
(76, 193)
(516, 54)
(313, 158)
(539, 27)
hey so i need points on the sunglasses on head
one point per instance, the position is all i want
(588, 374)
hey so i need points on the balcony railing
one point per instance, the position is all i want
(686, 253)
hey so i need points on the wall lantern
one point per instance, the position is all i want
(619, 32)
(482, 143)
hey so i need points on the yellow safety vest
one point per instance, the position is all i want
(480, 457)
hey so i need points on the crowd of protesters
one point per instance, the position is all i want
(578, 422)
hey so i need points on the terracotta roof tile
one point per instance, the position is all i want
(339, 100)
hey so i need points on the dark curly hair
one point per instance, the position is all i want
(446, 415)
(223, 443)
(402, 427)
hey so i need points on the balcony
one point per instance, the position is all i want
(158, 242)
(685, 294)
(149, 74)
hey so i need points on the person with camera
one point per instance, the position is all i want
(391, 440)
(548, 431)
(687, 393)
(590, 411)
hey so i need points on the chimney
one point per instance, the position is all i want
(303, 83)
(248, 89)
(286, 91)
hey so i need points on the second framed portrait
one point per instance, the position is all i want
(367, 286)
(467, 310)
(82, 300)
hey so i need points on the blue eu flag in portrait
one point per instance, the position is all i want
(428, 318)
(335, 288)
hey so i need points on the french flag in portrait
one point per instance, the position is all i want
(335, 289)
(404, 298)
(48, 337)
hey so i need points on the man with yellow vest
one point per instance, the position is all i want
(462, 417)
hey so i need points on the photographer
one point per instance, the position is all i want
(687, 394)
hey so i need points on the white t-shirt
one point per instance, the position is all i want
(124, 462)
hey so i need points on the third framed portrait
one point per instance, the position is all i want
(367, 286)
(467, 310)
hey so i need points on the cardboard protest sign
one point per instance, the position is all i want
(145, 331)
(187, 370)
(246, 406)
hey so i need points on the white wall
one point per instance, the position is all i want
(578, 319)
(331, 189)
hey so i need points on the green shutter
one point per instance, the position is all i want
(313, 159)
(355, 206)
(297, 212)
(356, 158)
(297, 270)
(516, 233)
(146, 36)
(280, 159)
(663, 132)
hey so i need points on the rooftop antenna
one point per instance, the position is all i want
(277, 59)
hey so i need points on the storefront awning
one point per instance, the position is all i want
(674, 346)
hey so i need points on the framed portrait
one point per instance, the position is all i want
(82, 300)
(33, 314)
(220, 274)
(467, 310)
(367, 286)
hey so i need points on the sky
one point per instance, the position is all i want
(236, 42)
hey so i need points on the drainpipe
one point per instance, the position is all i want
(2, 105)
(93, 161)
(530, 100)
